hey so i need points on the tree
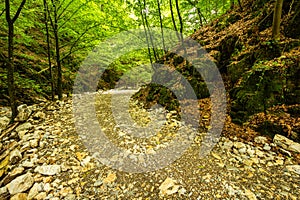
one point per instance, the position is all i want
(48, 47)
(277, 19)
(10, 61)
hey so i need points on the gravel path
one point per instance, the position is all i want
(50, 161)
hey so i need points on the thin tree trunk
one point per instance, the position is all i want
(173, 20)
(48, 48)
(161, 26)
(150, 35)
(146, 34)
(277, 19)
(57, 52)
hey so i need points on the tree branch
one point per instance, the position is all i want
(19, 11)
(2, 12)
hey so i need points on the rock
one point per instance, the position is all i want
(39, 115)
(242, 150)
(168, 187)
(48, 169)
(4, 121)
(250, 152)
(260, 139)
(20, 184)
(70, 197)
(15, 156)
(286, 143)
(250, 195)
(215, 155)
(267, 147)
(34, 143)
(285, 152)
(279, 162)
(111, 177)
(13, 174)
(4, 194)
(24, 127)
(23, 113)
(65, 191)
(34, 191)
(227, 145)
(239, 145)
(41, 196)
(19, 196)
(47, 187)
(28, 164)
(32, 136)
(293, 168)
(259, 153)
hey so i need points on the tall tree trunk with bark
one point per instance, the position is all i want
(10, 60)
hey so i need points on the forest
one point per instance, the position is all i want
(150, 99)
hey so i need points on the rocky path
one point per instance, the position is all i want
(44, 158)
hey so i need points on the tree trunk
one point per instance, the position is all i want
(10, 72)
(161, 26)
(277, 19)
(173, 20)
(48, 49)
(10, 62)
(57, 52)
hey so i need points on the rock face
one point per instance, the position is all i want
(286, 143)
(48, 169)
(20, 184)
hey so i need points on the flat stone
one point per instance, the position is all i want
(48, 169)
(293, 168)
(168, 187)
(20, 184)
(239, 145)
(267, 147)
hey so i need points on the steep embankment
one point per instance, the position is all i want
(258, 72)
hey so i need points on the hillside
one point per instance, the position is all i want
(261, 75)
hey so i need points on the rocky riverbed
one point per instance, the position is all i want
(43, 157)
